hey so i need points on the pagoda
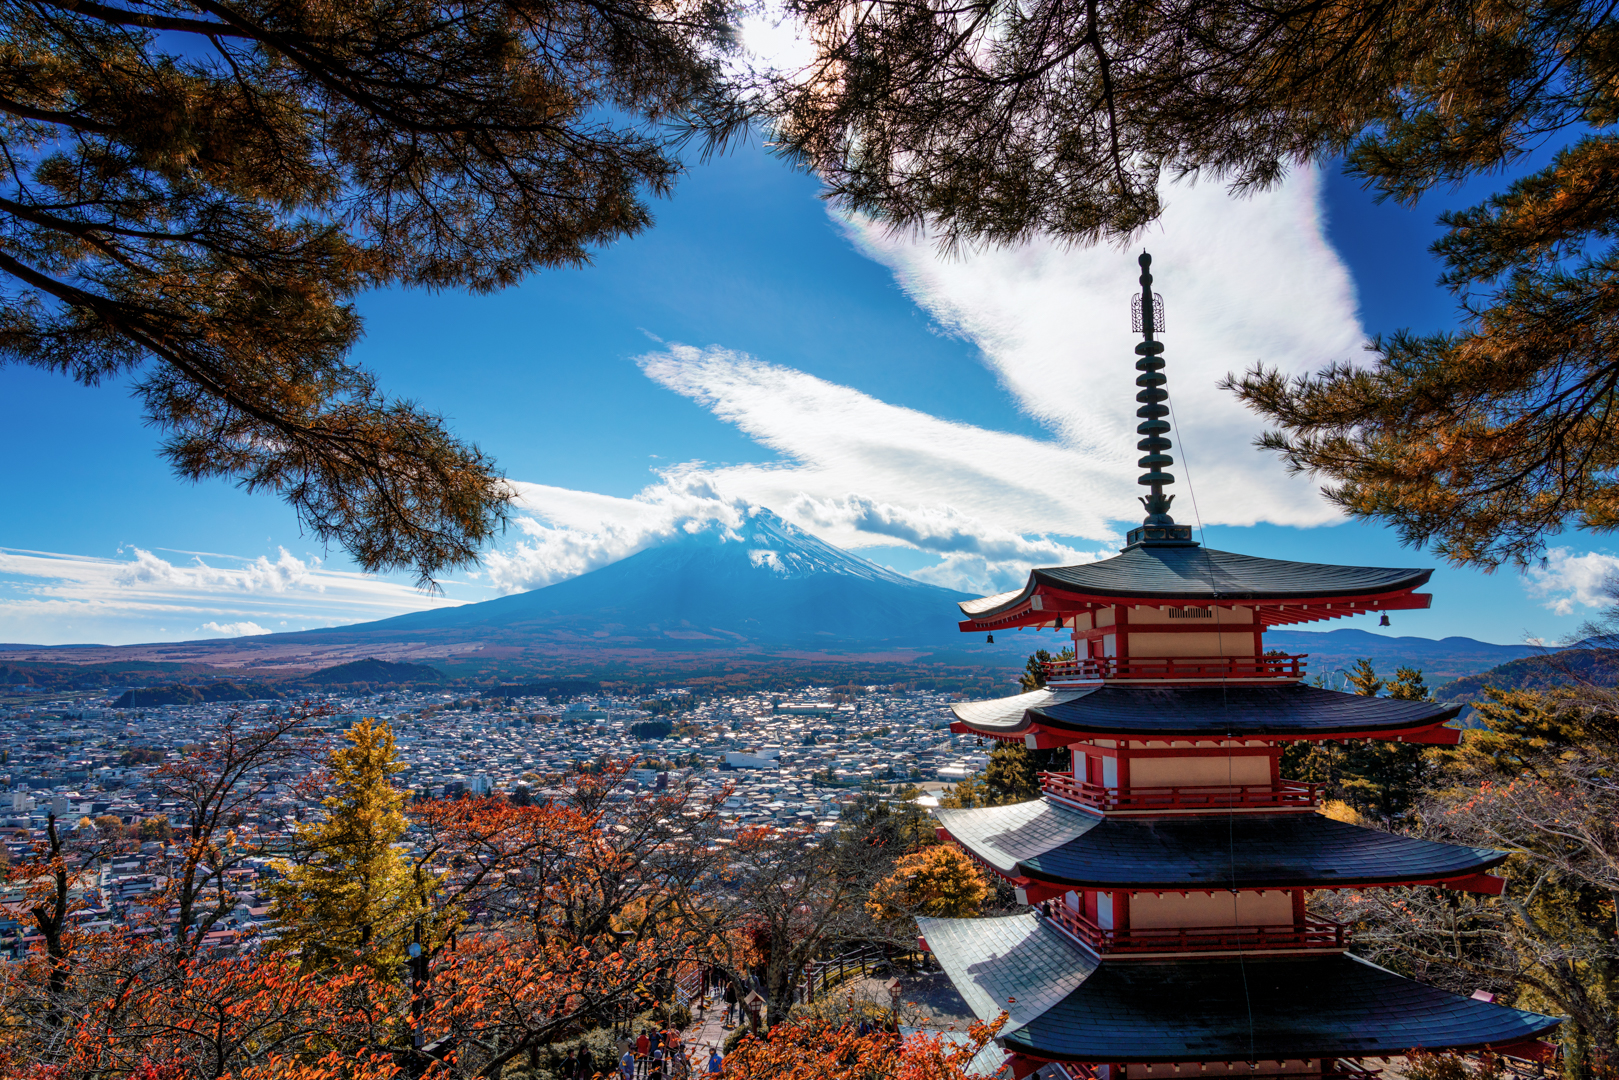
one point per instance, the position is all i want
(1168, 870)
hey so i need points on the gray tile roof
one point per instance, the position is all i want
(1261, 1010)
(1289, 709)
(1008, 713)
(1050, 842)
(1004, 836)
(1195, 573)
(1160, 712)
(1018, 963)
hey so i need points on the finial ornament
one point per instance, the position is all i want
(1147, 317)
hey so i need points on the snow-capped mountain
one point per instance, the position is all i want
(766, 582)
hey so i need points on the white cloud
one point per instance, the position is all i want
(234, 629)
(1568, 579)
(1242, 279)
(50, 598)
(258, 575)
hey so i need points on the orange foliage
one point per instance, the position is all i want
(813, 1049)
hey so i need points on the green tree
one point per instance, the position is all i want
(967, 793)
(1013, 773)
(1364, 679)
(348, 893)
(197, 191)
(1380, 780)
(1033, 676)
(156, 827)
(1408, 685)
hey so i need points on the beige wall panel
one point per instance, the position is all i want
(1199, 771)
(1200, 909)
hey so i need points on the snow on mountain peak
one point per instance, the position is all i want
(787, 551)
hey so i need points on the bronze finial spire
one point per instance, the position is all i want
(1148, 319)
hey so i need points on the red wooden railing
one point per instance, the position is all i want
(1288, 793)
(1102, 668)
(1314, 934)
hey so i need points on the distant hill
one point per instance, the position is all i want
(381, 672)
(1441, 660)
(1570, 667)
(147, 697)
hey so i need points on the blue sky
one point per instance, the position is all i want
(958, 419)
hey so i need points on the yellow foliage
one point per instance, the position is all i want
(349, 892)
(1338, 810)
(939, 881)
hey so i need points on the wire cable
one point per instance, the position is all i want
(1225, 708)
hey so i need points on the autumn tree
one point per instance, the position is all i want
(348, 892)
(816, 1048)
(215, 787)
(796, 895)
(940, 882)
(196, 192)
(1537, 782)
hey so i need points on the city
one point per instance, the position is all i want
(791, 759)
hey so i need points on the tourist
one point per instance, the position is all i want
(570, 1066)
(626, 1066)
(716, 1063)
(643, 1049)
(730, 1004)
(587, 1064)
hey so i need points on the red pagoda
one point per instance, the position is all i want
(1169, 869)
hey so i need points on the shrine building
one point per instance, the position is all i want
(1169, 869)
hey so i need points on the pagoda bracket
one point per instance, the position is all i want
(1482, 884)
(1037, 892)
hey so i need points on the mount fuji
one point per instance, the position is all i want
(766, 583)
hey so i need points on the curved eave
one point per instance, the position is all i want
(1289, 711)
(1007, 718)
(1177, 713)
(1042, 606)
(1285, 592)
(1064, 848)
(1223, 1010)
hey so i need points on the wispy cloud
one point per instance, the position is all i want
(50, 598)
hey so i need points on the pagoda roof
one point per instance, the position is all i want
(1190, 572)
(1179, 712)
(1202, 1010)
(1047, 841)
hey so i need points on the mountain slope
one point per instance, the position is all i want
(767, 583)
(1440, 661)
(1570, 667)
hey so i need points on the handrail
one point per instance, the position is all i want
(1314, 934)
(1287, 793)
(1101, 668)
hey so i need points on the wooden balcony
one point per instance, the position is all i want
(1314, 934)
(1287, 795)
(1275, 668)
